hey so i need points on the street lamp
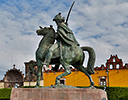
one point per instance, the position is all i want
(107, 71)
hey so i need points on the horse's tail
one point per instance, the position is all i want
(91, 61)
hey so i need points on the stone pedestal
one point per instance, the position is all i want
(57, 94)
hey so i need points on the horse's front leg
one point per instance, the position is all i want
(39, 65)
(67, 72)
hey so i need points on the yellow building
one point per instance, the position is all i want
(117, 75)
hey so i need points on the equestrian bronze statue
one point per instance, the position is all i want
(66, 51)
(62, 52)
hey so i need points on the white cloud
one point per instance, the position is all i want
(105, 19)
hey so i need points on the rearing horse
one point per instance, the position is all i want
(74, 56)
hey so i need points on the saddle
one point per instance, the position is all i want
(66, 51)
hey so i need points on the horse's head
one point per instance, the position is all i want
(45, 30)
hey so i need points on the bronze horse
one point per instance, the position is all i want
(74, 56)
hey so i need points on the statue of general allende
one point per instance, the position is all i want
(66, 51)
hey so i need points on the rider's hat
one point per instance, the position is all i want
(59, 18)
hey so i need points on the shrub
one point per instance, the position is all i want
(5, 93)
(115, 93)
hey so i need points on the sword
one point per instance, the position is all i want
(69, 13)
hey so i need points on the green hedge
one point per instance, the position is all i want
(5, 93)
(115, 93)
(28, 86)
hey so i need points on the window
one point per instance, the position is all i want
(102, 81)
(114, 60)
(63, 81)
(111, 67)
(117, 66)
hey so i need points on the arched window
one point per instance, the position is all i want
(114, 60)
(111, 67)
(117, 66)
(102, 80)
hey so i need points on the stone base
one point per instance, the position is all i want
(57, 94)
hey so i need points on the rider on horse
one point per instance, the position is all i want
(65, 37)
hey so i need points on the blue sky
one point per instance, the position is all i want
(101, 24)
